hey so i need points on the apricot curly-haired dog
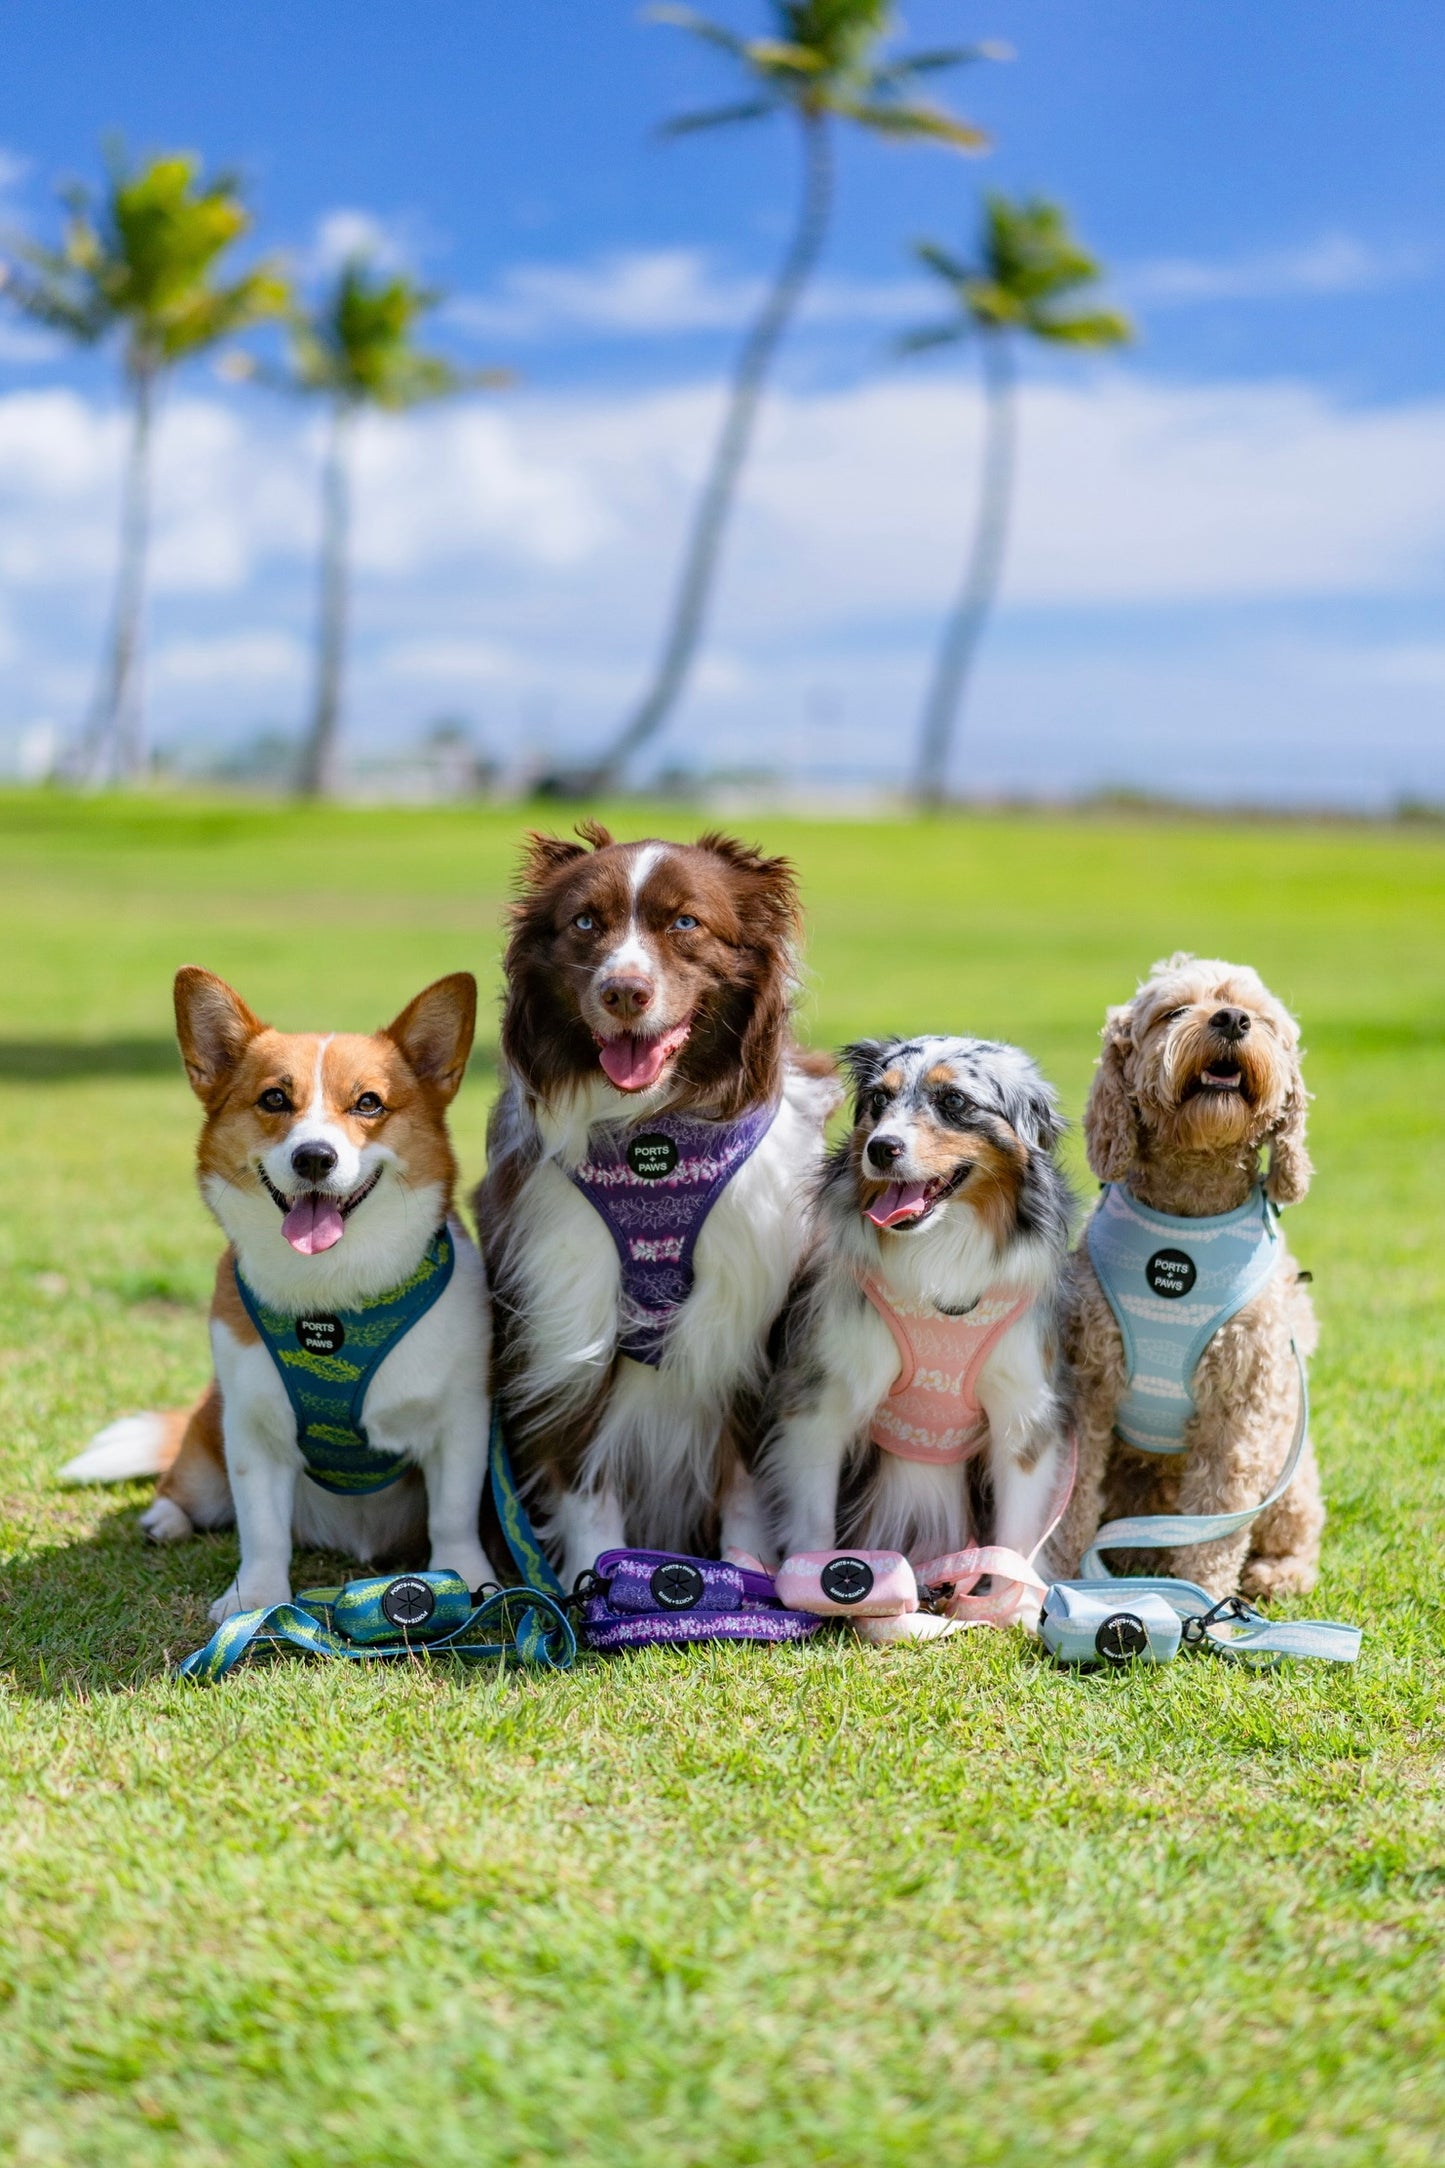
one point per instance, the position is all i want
(1199, 1078)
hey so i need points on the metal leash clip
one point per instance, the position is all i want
(1195, 1631)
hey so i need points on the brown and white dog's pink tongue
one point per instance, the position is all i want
(897, 1202)
(313, 1223)
(633, 1063)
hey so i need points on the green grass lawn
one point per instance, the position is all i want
(829, 1904)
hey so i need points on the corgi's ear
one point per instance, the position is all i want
(1110, 1134)
(435, 1031)
(214, 1027)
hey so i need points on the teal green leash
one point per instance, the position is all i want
(417, 1614)
(528, 1556)
(397, 1615)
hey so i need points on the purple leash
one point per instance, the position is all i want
(636, 1599)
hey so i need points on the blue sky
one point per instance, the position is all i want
(1227, 567)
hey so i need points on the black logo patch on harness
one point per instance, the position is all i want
(1121, 1638)
(677, 1586)
(321, 1335)
(846, 1580)
(652, 1155)
(408, 1602)
(1170, 1273)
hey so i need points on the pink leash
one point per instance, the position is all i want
(1014, 1575)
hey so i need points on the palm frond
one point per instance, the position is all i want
(929, 336)
(722, 116)
(1105, 327)
(950, 268)
(896, 73)
(689, 19)
(912, 122)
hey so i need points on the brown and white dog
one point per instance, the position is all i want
(1199, 1077)
(646, 983)
(942, 1232)
(327, 1162)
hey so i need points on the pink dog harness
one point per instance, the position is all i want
(932, 1412)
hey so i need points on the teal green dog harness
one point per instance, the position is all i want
(1171, 1283)
(327, 1359)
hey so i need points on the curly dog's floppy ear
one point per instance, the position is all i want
(1290, 1167)
(1110, 1134)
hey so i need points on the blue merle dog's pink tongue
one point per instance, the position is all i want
(897, 1202)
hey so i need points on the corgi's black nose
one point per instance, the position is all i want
(1230, 1023)
(883, 1149)
(313, 1162)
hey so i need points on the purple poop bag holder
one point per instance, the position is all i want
(633, 1599)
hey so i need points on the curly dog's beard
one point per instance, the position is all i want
(1196, 1115)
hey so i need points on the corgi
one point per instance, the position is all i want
(350, 1325)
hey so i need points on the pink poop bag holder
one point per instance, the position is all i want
(882, 1584)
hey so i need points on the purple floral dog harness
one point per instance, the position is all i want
(634, 1599)
(653, 1188)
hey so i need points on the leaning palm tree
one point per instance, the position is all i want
(1024, 284)
(140, 266)
(821, 65)
(355, 350)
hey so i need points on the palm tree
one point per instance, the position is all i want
(1029, 273)
(821, 65)
(355, 350)
(140, 266)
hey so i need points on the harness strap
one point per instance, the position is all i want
(1170, 1531)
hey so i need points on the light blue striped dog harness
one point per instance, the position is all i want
(1171, 1283)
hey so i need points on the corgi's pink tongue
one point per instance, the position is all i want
(313, 1223)
(898, 1202)
(633, 1063)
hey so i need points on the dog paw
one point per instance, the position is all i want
(907, 1626)
(473, 1565)
(1263, 1578)
(256, 1596)
(166, 1522)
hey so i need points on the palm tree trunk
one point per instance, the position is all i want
(969, 615)
(113, 749)
(319, 759)
(694, 588)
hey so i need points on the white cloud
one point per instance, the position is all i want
(516, 557)
(456, 662)
(1336, 263)
(244, 658)
(649, 293)
(346, 233)
(1419, 663)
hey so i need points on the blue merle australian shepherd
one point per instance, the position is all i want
(919, 1351)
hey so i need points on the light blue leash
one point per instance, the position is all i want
(1242, 1632)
